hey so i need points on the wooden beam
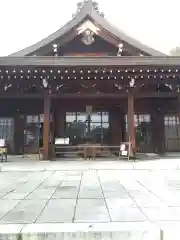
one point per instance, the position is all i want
(119, 95)
(46, 135)
(115, 95)
(163, 62)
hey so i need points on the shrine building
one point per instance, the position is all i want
(131, 91)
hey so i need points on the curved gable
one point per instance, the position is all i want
(105, 29)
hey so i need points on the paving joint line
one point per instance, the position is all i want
(77, 198)
(38, 185)
(104, 198)
(47, 202)
(155, 195)
(17, 186)
(134, 201)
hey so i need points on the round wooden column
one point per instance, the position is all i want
(130, 124)
(46, 134)
(158, 131)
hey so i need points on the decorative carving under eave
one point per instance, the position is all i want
(88, 30)
(87, 25)
(96, 8)
(55, 49)
(45, 83)
(120, 49)
(132, 83)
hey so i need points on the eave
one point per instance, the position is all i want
(90, 61)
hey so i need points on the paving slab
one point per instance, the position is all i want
(150, 201)
(25, 211)
(127, 214)
(6, 206)
(90, 186)
(61, 210)
(120, 202)
(66, 191)
(14, 195)
(41, 193)
(156, 214)
(91, 210)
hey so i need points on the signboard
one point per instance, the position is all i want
(88, 109)
(61, 141)
(3, 150)
(2, 143)
(125, 150)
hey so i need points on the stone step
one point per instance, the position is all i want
(70, 231)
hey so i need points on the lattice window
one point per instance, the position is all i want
(172, 133)
(139, 118)
(7, 130)
(142, 123)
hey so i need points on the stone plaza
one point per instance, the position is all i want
(86, 196)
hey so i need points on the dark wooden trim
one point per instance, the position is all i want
(138, 95)
(115, 95)
(7, 95)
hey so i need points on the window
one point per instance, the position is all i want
(172, 132)
(7, 130)
(142, 123)
(79, 125)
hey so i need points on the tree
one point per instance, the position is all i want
(175, 51)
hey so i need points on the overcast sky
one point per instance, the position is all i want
(25, 22)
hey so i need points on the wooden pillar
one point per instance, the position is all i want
(130, 125)
(46, 134)
(19, 125)
(158, 131)
(53, 124)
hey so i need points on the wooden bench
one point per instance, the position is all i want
(84, 150)
(62, 150)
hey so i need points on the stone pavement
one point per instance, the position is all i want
(91, 196)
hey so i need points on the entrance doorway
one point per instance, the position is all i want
(142, 124)
(81, 127)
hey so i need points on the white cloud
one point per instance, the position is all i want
(24, 22)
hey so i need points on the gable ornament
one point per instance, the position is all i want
(88, 37)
